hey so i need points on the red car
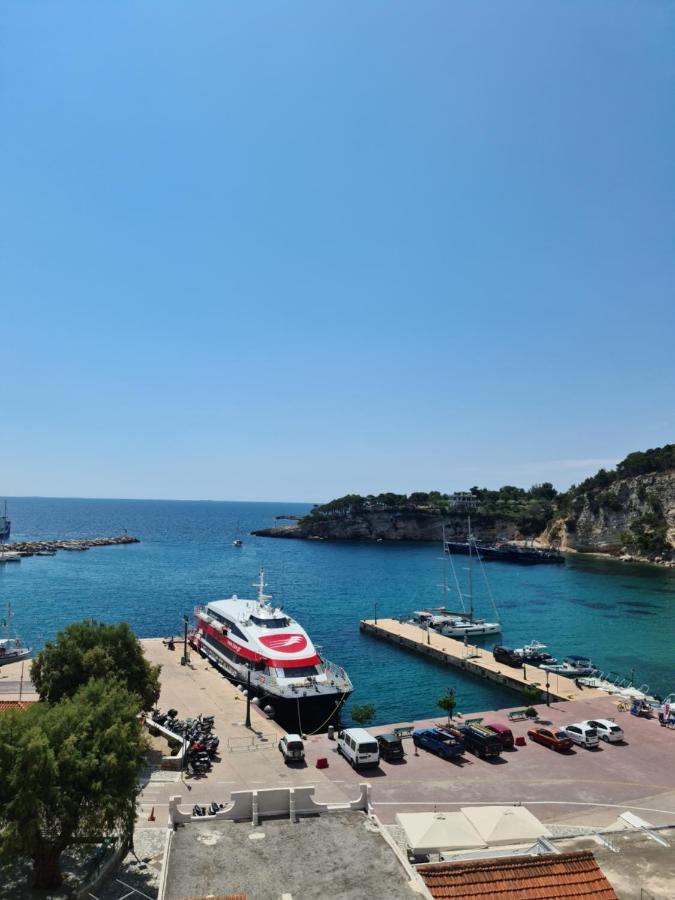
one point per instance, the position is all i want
(504, 734)
(556, 740)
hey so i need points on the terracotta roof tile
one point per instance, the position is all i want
(14, 704)
(548, 877)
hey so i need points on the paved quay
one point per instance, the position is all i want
(473, 660)
(249, 758)
(15, 683)
(586, 787)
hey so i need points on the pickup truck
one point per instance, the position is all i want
(437, 741)
(480, 740)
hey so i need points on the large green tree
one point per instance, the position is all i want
(68, 774)
(92, 649)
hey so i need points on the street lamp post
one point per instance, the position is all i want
(184, 660)
(548, 696)
(247, 723)
(376, 613)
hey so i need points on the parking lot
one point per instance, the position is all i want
(579, 786)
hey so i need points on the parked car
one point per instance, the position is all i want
(582, 734)
(508, 656)
(358, 747)
(556, 740)
(292, 748)
(504, 734)
(479, 740)
(607, 730)
(438, 741)
(391, 747)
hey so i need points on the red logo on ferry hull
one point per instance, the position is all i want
(284, 643)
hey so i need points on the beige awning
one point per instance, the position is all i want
(428, 832)
(505, 824)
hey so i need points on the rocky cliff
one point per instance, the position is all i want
(628, 512)
(631, 518)
(393, 526)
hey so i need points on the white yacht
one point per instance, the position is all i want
(464, 624)
(254, 640)
(12, 649)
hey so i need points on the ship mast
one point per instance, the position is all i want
(260, 584)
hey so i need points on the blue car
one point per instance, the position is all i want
(439, 742)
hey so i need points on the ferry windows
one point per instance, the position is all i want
(297, 672)
(270, 623)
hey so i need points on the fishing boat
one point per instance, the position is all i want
(237, 542)
(8, 556)
(12, 649)
(572, 666)
(5, 525)
(465, 624)
(535, 653)
(261, 647)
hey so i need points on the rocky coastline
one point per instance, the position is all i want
(630, 517)
(48, 548)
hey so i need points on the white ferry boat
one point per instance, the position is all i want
(254, 639)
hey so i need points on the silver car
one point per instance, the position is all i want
(582, 733)
(607, 730)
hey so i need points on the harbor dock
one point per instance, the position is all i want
(475, 660)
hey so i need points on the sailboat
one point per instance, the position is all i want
(11, 648)
(237, 542)
(465, 624)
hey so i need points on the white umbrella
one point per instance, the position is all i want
(505, 824)
(427, 832)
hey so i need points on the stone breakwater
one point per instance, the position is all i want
(37, 548)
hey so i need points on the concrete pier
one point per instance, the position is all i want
(475, 660)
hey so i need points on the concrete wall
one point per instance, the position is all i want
(252, 806)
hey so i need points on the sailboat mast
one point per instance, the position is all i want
(470, 571)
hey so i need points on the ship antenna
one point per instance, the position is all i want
(260, 584)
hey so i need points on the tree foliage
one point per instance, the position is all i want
(447, 702)
(91, 649)
(364, 714)
(68, 773)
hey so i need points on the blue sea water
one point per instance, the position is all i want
(622, 615)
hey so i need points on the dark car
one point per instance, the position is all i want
(556, 740)
(504, 734)
(391, 747)
(510, 657)
(477, 739)
(438, 741)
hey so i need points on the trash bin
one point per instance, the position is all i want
(331, 733)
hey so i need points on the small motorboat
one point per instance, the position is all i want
(573, 666)
(535, 653)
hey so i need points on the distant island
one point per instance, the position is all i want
(627, 512)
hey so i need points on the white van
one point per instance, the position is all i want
(582, 733)
(358, 747)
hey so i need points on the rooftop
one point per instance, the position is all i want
(520, 878)
(339, 854)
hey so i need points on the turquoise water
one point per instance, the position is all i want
(622, 615)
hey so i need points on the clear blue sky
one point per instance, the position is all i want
(293, 250)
